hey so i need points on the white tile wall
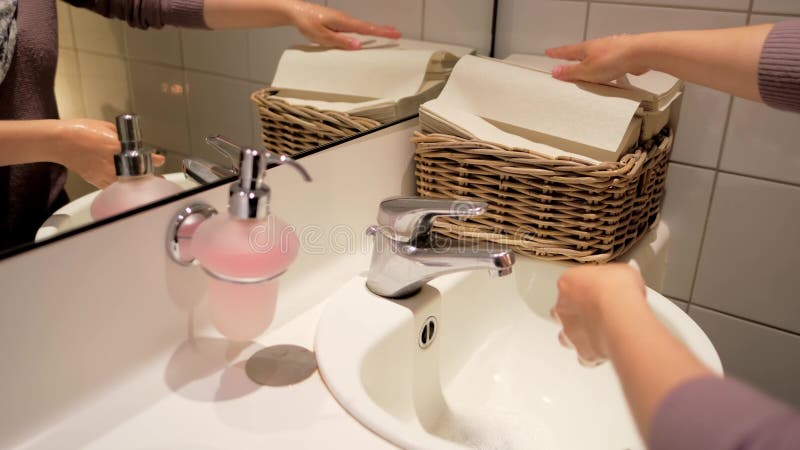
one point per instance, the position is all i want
(95, 33)
(685, 210)
(525, 26)
(777, 6)
(459, 22)
(265, 48)
(64, 26)
(161, 103)
(210, 94)
(405, 15)
(749, 264)
(221, 52)
(760, 355)
(739, 5)
(107, 90)
(157, 46)
(68, 85)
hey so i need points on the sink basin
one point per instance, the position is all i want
(76, 213)
(491, 373)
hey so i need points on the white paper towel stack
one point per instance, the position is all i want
(385, 80)
(515, 106)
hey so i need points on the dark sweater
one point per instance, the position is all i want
(29, 193)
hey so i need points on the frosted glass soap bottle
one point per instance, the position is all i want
(246, 250)
(136, 184)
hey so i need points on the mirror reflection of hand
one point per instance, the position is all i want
(591, 300)
(325, 26)
(600, 60)
(87, 147)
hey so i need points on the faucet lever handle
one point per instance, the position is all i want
(409, 218)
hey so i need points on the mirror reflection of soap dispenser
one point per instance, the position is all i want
(136, 183)
(246, 250)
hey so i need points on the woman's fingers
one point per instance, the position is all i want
(571, 72)
(575, 52)
(564, 340)
(352, 25)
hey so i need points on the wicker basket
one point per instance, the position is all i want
(557, 209)
(290, 129)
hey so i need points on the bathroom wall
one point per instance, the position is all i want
(733, 201)
(187, 84)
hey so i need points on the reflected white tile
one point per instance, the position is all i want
(64, 25)
(765, 357)
(96, 33)
(684, 306)
(749, 261)
(152, 45)
(762, 141)
(256, 140)
(688, 194)
(218, 105)
(107, 89)
(525, 26)
(160, 93)
(461, 22)
(265, 49)
(777, 6)
(220, 51)
(701, 126)
(606, 19)
(404, 15)
(69, 95)
(739, 5)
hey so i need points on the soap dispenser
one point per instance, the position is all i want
(136, 184)
(246, 250)
(249, 244)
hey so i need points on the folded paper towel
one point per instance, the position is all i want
(655, 90)
(383, 81)
(519, 103)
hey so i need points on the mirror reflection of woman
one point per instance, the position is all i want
(36, 148)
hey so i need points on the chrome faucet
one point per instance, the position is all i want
(407, 254)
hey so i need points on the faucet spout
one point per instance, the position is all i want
(407, 254)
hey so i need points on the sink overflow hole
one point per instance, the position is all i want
(428, 332)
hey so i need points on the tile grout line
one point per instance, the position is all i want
(747, 320)
(586, 20)
(186, 93)
(690, 8)
(790, 184)
(84, 109)
(704, 235)
(710, 203)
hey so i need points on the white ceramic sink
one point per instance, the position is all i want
(494, 375)
(76, 213)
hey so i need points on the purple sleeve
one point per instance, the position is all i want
(779, 67)
(711, 413)
(149, 13)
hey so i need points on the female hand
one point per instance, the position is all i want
(87, 147)
(588, 296)
(601, 60)
(325, 25)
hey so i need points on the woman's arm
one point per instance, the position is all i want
(318, 23)
(726, 59)
(604, 315)
(676, 401)
(84, 146)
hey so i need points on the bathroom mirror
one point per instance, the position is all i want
(267, 88)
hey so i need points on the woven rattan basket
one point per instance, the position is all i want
(557, 209)
(290, 129)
